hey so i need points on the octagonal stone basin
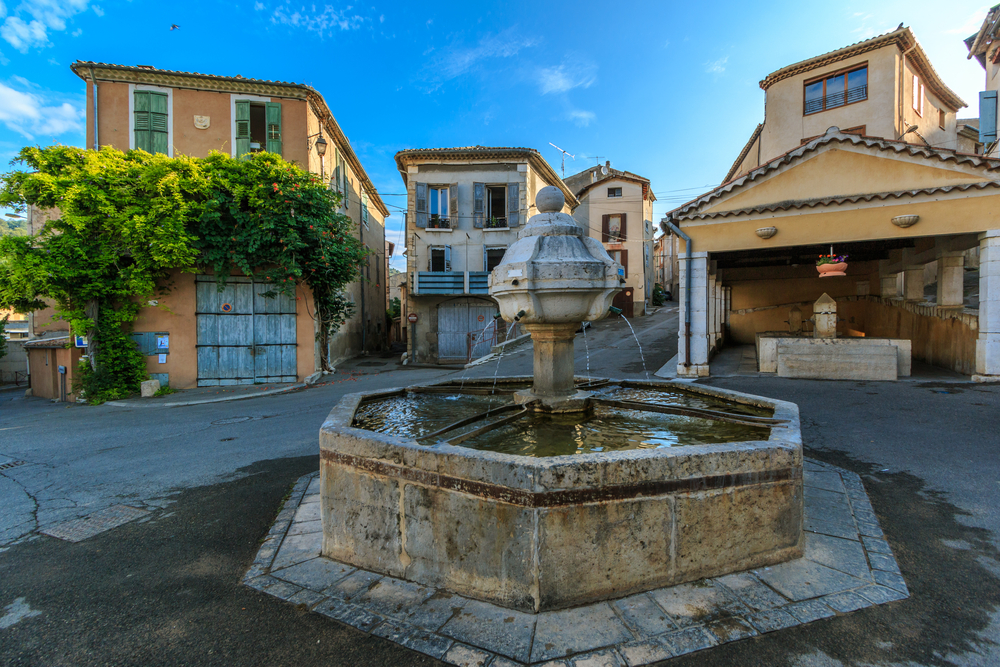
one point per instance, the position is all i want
(537, 533)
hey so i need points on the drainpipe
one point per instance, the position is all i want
(687, 292)
(93, 80)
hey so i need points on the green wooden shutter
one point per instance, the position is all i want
(274, 127)
(158, 123)
(141, 121)
(242, 127)
(987, 116)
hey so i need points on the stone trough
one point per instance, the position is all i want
(538, 534)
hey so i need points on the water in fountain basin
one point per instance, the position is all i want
(586, 347)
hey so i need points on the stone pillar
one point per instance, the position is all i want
(988, 344)
(713, 314)
(719, 314)
(727, 306)
(825, 317)
(698, 317)
(913, 283)
(951, 279)
(888, 284)
(553, 343)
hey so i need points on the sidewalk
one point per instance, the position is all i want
(201, 395)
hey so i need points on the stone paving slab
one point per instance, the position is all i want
(78, 530)
(848, 565)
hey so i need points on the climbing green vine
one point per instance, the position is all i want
(120, 222)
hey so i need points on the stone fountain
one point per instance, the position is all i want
(552, 279)
(421, 496)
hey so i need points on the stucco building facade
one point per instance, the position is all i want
(616, 208)
(465, 206)
(899, 207)
(196, 335)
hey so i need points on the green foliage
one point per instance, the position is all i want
(164, 391)
(658, 295)
(3, 339)
(13, 227)
(124, 220)
(394, 308)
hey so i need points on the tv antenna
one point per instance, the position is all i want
(564, 154)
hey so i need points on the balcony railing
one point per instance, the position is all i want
(495, 223)
(837, 99)
(452, 282)
(435, 222)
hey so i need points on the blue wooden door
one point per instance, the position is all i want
(243, 336)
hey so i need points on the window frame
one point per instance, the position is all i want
(441, 221)
(445, 258)
(132, 89)
(845, 72)
(488, 213)
(486, 251)
(615, 193)
(917, 85)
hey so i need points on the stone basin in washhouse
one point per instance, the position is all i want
(451, 485)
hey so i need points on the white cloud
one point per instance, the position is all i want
(28, 25)
(98, 10)
(582, 118)
(22, 36)
(381, 18)
(455, 61)
(718, 66)
(566, 77)
(30, 114)
(322, 22)
(258, 6)
(77, 32)
(972, 24)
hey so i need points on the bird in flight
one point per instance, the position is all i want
(174, 26)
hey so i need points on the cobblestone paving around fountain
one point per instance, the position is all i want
(847, 566)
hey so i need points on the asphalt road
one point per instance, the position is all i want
(165, 590)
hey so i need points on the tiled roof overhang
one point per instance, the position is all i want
(485, 154)
(88, 70)
(903, 39)
(743, 153)
(617, 176)
(688, 211)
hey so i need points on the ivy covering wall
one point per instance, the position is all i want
(127, 219)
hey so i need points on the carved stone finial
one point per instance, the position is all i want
(549, 199)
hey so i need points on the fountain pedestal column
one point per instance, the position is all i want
(553, 382)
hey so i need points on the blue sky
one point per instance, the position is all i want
(666, 90)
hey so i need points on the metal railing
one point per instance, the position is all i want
(434, 222)
(837, 99)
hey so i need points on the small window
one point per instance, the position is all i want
(364, 208)
(614, 192)
(438, 207)
(942, 117)
(496, 207)
(439, 258)
(614, 228)
(836, 90)
(493, 257)
(918, 95)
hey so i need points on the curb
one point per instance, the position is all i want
(224, 399)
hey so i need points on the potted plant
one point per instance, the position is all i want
(831, 265)
(496, 223)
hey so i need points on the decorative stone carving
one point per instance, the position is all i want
(905, 221)
(825, 317)
(202, 122)
(767, 232)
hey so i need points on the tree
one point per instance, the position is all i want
(126, 219)
(3, 338)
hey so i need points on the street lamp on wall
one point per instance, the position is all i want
(320, 145)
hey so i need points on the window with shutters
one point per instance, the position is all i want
(364, 208)
(258, 127)
(438, 208)
(616, 231)
(150, 121)
(496, 207)
(439, 258)
(493, 256)
(620, 256)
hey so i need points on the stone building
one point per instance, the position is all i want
(464, 208)
(894, 199)
(190, 336)
(616, 207)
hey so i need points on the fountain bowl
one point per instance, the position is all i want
(538, 534)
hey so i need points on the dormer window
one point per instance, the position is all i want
(836, 90)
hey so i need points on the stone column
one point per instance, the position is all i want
(698, 317)
(713, 315)
(887, 282)
(988, 345)
(553, 345)
(951, 279)
(913, 283)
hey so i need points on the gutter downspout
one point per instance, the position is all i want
(93, 80)
(687, 292)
